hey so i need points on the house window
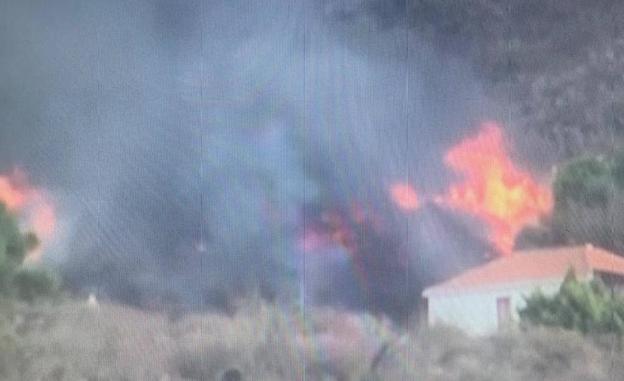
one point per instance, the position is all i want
(503, 309)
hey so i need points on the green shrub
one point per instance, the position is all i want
(587, 307)
(15, 279)
(31, 284)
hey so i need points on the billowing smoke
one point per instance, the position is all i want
(191, 146)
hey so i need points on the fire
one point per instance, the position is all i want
(404, 196)
(335, 227)
(44, 221)
(12, 197)
(505, 197)
(31, 205)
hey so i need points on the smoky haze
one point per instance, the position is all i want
(189, 144)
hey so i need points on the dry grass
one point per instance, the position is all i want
(72, 341)
(447, 354)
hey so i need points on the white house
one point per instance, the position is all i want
(487, 298)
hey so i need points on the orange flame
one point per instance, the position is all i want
(404, 196)
(505, 197)
(32, 206)
(12, 197)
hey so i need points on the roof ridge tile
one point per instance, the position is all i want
(534, 265)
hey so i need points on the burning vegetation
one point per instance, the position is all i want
(489, 186)
(197, 157)
(148, 192)
(32, 206)
(493, 188)
(386, 249)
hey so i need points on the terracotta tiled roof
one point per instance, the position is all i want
(539, 264)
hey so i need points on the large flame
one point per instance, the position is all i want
(492, 188)
(404, 196)
(32, 206)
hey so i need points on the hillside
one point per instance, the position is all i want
(557, 66)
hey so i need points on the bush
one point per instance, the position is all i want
(255, 341)
(588, 194)
(31, 284)
(72, 341)
(587, 307)
(16, 280)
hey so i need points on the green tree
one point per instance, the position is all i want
(16, 280)
(589, 205)
(587, 181)
(587, 307)
(588, 208)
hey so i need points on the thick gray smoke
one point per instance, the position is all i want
(185, 142)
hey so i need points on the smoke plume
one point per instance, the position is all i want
(193, 148)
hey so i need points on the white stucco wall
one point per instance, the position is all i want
(475, 310)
